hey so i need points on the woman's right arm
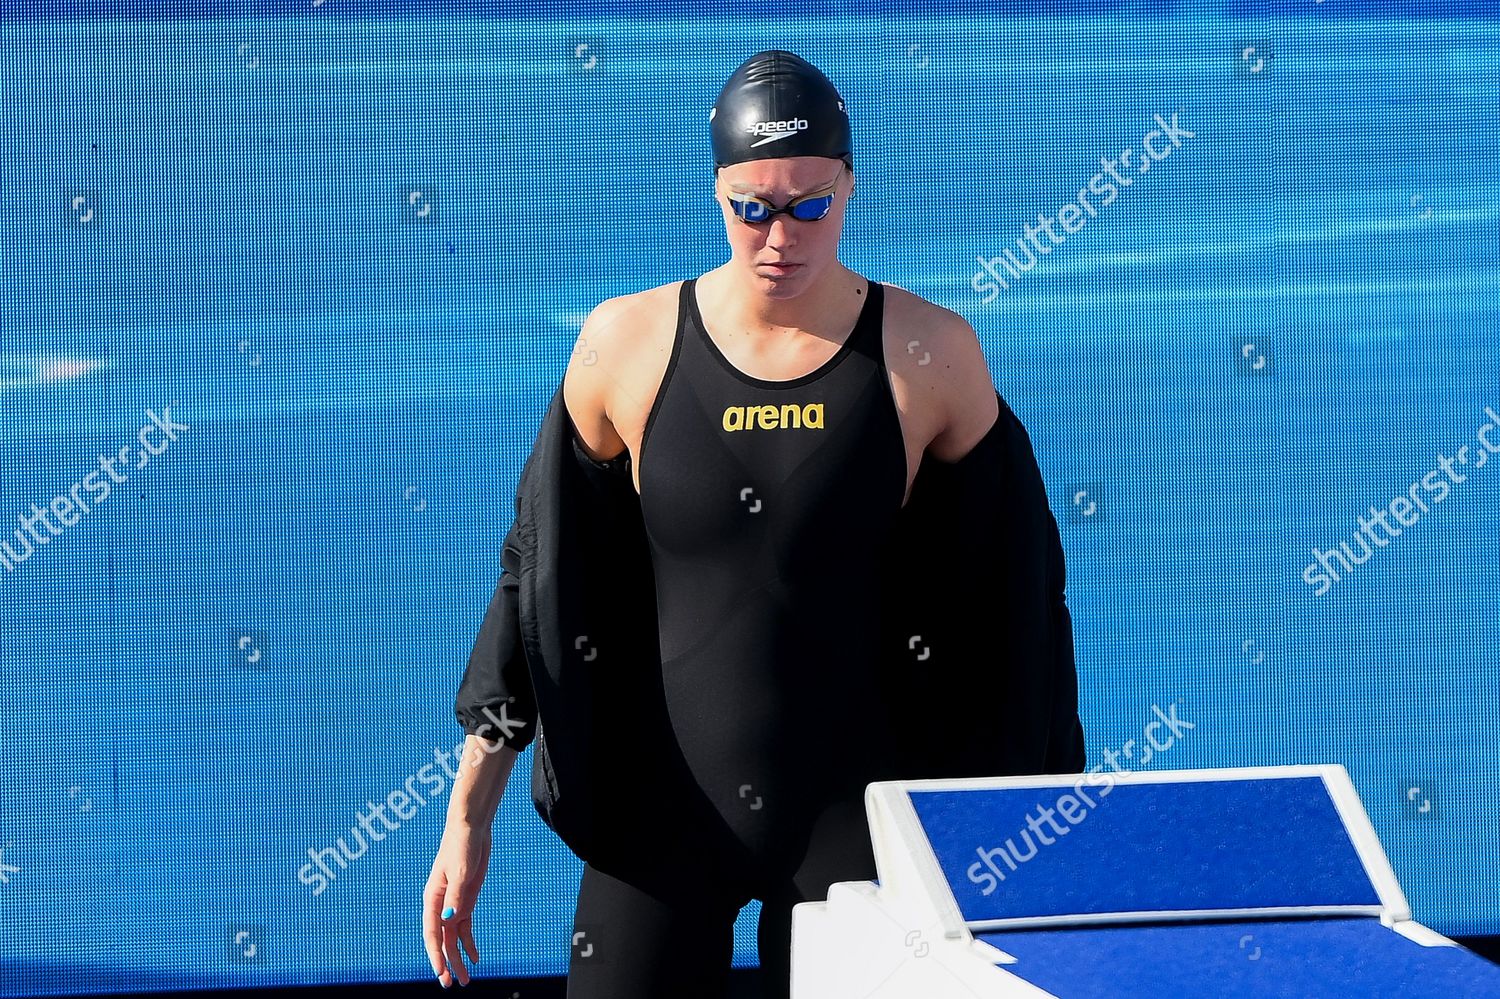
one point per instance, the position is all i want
(495, 696)
(463, 856)
(497, 709)
(482, 774)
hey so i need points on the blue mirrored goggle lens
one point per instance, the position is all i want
(812, 209)
(807, 210)
(750, 211)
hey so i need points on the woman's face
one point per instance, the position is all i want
(809, 246)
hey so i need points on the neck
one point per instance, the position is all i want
(745, 304)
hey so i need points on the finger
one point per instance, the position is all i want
(450, 949)
(432, 933)
(466, 935)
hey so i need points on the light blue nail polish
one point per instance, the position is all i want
(448, 912)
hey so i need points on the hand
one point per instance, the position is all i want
(457, 875)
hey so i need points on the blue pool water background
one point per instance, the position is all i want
(362, 381)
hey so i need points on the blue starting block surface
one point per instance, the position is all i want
(1011, 854)
(1229, 883)
(1324, 958)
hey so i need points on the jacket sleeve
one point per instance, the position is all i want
(1065, 748)
(495, 699)
(1064, 751)
(994, 690)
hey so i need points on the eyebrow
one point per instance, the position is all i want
(792, 195)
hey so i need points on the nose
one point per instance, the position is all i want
(778, 231)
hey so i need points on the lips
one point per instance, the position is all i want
(782, 268)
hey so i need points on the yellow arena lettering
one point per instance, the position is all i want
(788, 416)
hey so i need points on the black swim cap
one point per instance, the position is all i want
(777, 104)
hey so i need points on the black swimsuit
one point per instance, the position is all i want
(738, 772)
(767, 504)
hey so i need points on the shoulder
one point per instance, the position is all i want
(623, 343)
(937, 353)
(933, 344)
(908, 309)
(622, 321)
(619, 336)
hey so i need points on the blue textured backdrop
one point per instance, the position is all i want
(350, 245)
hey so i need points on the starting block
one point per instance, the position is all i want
(1262, 881)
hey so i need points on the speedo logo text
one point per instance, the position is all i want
(786, 417)
(773, 130)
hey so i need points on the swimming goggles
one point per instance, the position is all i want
(808, 208)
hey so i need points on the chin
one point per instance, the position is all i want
(797, 278)
(781, 287)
